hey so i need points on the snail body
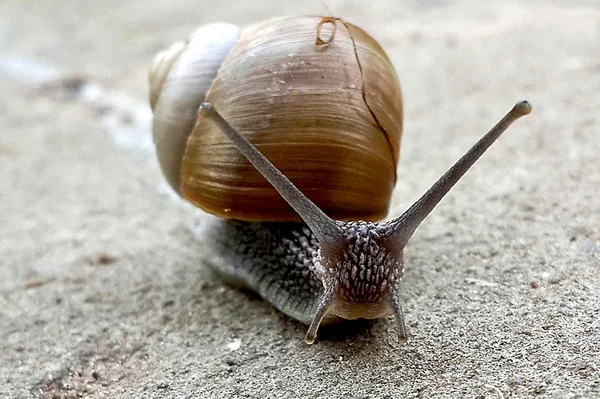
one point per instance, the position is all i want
(273, 259)
(241, 114)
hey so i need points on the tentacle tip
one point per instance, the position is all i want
(205, 109)
(311, 334)
(523, 108)
(310, 339)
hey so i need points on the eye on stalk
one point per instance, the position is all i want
(405, 225)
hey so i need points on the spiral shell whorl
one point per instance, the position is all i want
(179, 80)
(161, 66)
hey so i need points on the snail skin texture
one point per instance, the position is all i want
(289, 132)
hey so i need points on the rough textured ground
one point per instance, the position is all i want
(102, 289)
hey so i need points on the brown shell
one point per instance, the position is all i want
(328, 115)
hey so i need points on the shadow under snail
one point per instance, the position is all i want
(289, 131)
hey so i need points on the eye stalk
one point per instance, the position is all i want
(361, 262)
(404, 226)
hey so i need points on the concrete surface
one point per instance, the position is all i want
(102, 289)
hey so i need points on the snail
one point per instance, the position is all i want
(289, 131)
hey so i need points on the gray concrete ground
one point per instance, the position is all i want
(102, 289)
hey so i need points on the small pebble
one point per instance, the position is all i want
(235, 345)
(534, 284)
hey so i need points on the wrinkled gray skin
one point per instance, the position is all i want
(273, 259)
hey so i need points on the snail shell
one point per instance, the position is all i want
(327, 114)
